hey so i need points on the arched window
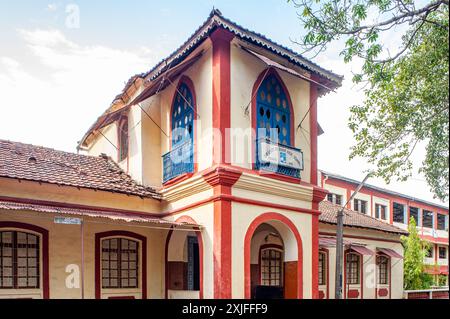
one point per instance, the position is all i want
(273, 112)
(273, 123)
(123, 138)
(19, 260)
(271, 267)
(120, 265)
(180, 160)
(383, 270)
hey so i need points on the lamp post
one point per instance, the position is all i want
(340, 240)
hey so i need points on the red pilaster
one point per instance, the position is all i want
(313, 130)
(222, 179)
(318, 196)
(221, 75)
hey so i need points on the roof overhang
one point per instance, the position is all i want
(117, 216)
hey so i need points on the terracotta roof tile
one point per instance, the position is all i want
(355, 219)
(42, 164)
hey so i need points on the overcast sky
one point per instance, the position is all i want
(63, 62)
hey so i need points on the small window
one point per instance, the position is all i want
(322, 268)
(427, 219)
(119, 263)
(19, 260)
(441, 221)
(429, 252)
(442, 253)
(123, 139)
(271, 267)
(414, 212)
(383, 270)
(353, 269)
(334, 198)
(399, 210)
(360, 205)
(380, 211)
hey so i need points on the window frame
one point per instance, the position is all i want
(119, 261)
(334, 198)
(280, 260)
(357, 205)
(15, 268)
(380, 211)
(396, 213)
(349, 279)
(428, 214)
(386, 273)
(323, 268)
(440, 248)
(416, 219)
(443, 221)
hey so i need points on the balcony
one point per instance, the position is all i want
(179, 161)
(278, 158)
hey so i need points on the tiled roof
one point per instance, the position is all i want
(41, 164)
(355, 219)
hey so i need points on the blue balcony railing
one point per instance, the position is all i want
(278, 158)
(178, 161)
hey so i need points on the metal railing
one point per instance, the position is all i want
(178, 161)
(441, 293)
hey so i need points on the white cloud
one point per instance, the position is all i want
(74, 84)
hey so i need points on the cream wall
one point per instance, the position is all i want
(204, 215)
(337, 190)
(65, 249)
(369, 261)
(101, 145)
(242, 216)
(245, 70)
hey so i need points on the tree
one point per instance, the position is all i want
(414, 254)
(406, 93)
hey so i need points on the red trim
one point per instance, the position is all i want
(313, 130)
(222, 179)
(119, 233)
(361, 272)
(186, 219)
(261, 77)
(45, 251)
(327, 264)
(186, 80)
(247, 250)
(221, 93)
(315, 257)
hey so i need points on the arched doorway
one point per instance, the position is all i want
(184, 263)
(273, 258)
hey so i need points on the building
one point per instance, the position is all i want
(397, 209)
(200, 180)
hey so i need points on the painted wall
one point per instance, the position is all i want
(372, 240)
(65, 249)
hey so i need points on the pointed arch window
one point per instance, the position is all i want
(123, 138)
(274, 123)
(180, 159)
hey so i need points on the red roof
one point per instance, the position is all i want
(355, 219)
(42, 164)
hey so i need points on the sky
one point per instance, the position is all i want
(63, 62)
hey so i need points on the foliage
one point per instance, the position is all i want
(407, 97)
(413, 266)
